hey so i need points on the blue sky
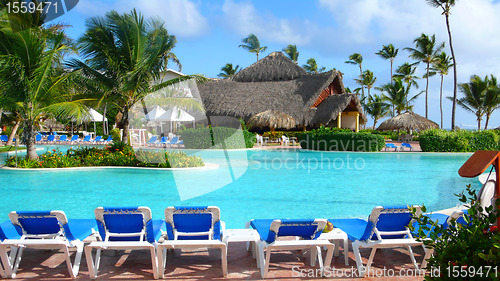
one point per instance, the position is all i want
(209, 32)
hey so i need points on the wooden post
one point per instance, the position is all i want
(339, 120)
(357, 122)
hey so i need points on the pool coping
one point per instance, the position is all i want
(207, 166)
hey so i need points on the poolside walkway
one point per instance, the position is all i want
(200, 265)
(414, 144)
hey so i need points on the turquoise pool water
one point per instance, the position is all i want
(250, 184)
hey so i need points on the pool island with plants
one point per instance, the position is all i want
(117, 154)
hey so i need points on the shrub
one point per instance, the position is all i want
(468, 248)
(115, 133)
(328, 140)
(436, 140)
(278, 134)
(167, 159)
(218, 138)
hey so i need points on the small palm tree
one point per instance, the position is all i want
(377, 108)
(396, 94)
(388, 52)
(228, 70)
(426, 51)
(406, 72)
(292, 53)
(474, 94)
(491, 99)
(312, 66)
(441, 65)
(357, 59)
(446, 5)
(367, 80)
(252, 45)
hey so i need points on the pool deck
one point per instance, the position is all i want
(415, 147)
(200, 265)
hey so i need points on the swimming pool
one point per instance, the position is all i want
(250, 184)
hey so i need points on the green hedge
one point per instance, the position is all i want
(327, 140)
(436, 140)
(217, 138)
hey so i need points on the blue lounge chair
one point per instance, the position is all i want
(74, 139)
(181, 142)
(4, 138)
(128, 228)
(46, 230)
(7, 231)
(86, 139)
(63, 139)
(192, 227)
(391, 145)
(386, 227)
(405, 144)
(152, 141)
(97, 139)
(309, 230)
(108, 140)
(38, 138)
(51, 139)
(173, 141)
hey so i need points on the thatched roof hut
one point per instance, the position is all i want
(277, 83)
(408, 121)
(272, 119)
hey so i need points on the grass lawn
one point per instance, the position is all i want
(10, 148)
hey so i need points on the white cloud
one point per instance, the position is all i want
(244, 19)
(182, 17)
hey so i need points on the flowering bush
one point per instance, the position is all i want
(113, 155)
(470, 243)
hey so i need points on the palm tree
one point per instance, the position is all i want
(33, 83)
(426, 51)
(357, 59)
(441, 65)
(228, 70)
(389, 53)
(292, 53)
(377, 108)
(252, 45)
(406, 72)
(475, 93)
(125, 56)
(312, 66)
(491, 99)
(446, 5)
(396, 94)
(367, 80)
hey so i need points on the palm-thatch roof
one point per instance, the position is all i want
(277, 83)
(407, 121)
(273, 119)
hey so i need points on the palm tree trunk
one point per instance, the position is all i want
(392, 61)
(441, 100)
(426, 93)
(13, 133)
(454, 106)
(125, 123)
(30, 141)
(374, 123)
(105, 123)
(257, 56)
(479, 123)
(361, 77)
(487, 121)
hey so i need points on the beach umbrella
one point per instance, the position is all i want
(272, 119)
(176, 114)
(155, 113)
(407, 121)
(94, 116)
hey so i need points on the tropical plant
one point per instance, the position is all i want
(446, 5)
(33, 83)
(426, 51)
(441, 66)
(377, 108)
(125, 55)
(367, 80)
(474, 94)
(252, 45)
(396, 94)
(492, 99)
(357, 59)
(312, 66)
(228, 70)
(388, 52)
(406, 72)
(292, 53)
